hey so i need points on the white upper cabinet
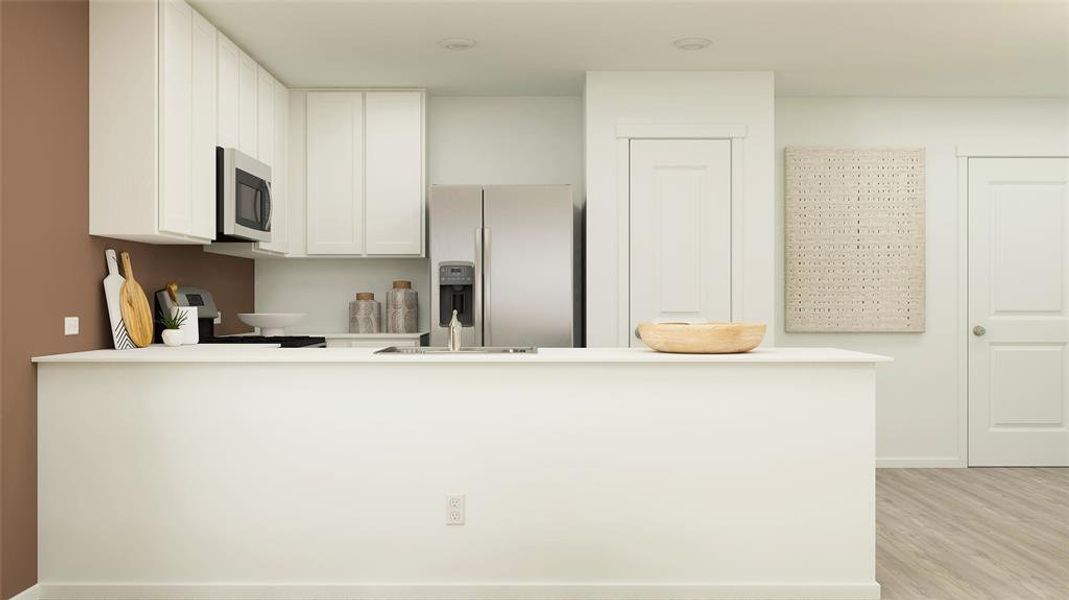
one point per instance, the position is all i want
(166, 88)
(228, 59)
(335, 173)
(152, 122)
(204, 104)
(176, 118)
(279, 243)
(364, 173)
(248, 97)
(265, 118)
(394, 180)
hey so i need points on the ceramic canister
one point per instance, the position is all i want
(365, 314)
(402, 308)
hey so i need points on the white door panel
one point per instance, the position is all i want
(335, 173)
(394, 197)
(204, 127)
(248, 121)
(1018, 288)
(680, 231)
(265, 117)
(176, 111)
(280, 196)
(228, 122)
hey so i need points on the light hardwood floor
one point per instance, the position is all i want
(972, 534)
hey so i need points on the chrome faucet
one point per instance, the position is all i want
(454, 333)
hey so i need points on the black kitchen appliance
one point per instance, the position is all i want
(207, 312)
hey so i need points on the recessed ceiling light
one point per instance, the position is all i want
(457, 44)
(692, 43)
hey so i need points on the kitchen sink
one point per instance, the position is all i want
(471, 350)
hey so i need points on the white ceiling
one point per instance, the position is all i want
(889, 48)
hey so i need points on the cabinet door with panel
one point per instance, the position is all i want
(175, 115)
(228, 67)
(680, 231)
(265, 118)
(280, 175)
(394, 172)
(204, 105)
(248, 95)
(335, 173)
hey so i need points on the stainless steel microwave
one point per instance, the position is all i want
(243, 192)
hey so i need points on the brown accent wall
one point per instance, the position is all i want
(49, 266)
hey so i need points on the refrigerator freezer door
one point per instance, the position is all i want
(528, 250)
(455, 221)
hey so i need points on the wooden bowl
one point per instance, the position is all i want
(702, 338)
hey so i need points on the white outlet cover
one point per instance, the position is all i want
(454, 509)
(70, 325)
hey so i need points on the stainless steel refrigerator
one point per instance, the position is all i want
(504, 257)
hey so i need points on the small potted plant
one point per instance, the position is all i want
(172, 323)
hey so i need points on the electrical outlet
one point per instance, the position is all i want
(454, 509)
(70, 325)
(218, 319)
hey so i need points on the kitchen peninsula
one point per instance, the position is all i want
(584, 473)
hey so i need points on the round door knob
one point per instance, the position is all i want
(979, 330)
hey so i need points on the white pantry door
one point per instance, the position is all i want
(680, 231)
(1019, 311)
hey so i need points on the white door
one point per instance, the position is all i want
(228, 61)
(204, 127)
(248, 95)
(394, 133)
(176, 106)
(680, 231)
(335, 173)
(1019, 311)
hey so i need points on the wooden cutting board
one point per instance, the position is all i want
(136, 313)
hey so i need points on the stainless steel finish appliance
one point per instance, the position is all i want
(470, 350)
(503, 257)
(243, 193)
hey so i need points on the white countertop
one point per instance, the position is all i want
(244, 353)
(365, 336)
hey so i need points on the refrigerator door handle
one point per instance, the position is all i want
(478, 286)
(488, 336)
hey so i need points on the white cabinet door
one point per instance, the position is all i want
(394, 196)
(204, 127)
(248, 123)
(228, 67)
(280, 176)
(175, 114)
(265, 117)
(680, 231)
(1019, 307)
(335, 172)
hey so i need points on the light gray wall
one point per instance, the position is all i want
(920, 396)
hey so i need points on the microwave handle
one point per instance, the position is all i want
(266, 208)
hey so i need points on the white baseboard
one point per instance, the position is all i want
(937, 462)
(869, 591)
(32, 593)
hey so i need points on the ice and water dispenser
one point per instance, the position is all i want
(456, 287)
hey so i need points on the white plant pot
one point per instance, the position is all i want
(189, 329)
(172, 337)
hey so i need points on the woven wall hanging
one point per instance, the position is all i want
(854, 239)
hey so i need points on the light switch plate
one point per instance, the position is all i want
(70, 325)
